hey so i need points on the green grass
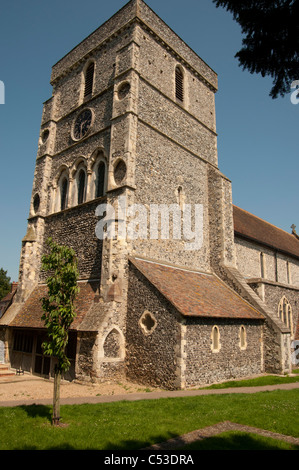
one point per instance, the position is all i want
(256, 382)
(133, 425)
(240, 441)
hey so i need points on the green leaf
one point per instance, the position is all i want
(58, 305)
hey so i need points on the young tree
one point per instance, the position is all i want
(4, 283)
(59, 312)
(271, 43)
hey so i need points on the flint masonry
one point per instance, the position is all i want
(132, 114)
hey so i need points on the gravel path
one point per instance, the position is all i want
(28, 389)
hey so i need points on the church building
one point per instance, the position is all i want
(178, 287)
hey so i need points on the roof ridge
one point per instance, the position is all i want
(168, 265)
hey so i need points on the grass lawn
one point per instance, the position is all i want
(133, 425)
(256, 382)
(240, 441)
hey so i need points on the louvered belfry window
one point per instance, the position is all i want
(179, 84)
(89, 80)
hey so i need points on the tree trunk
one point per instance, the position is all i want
(56, 397)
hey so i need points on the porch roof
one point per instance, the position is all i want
(29, 315)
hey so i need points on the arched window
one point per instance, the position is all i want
(181, 197)
(100, 180)
(243, 343)
(63, 193)
(262, 262)
(179, 85)
(81, 186)
(89, 74)
(215, 336)
(113, 346)
(285, 313)
(36, 203)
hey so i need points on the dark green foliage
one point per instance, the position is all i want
(4, 283)
(271, 42)
(58, 305)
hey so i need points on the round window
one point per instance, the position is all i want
(120, 172)
(123, 90)
(82, 124)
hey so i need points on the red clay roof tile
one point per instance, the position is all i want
(30, 315)
(196, 294)
(260, 231)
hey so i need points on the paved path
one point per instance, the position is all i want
(151, 395)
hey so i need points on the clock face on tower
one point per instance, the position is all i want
(82, 124)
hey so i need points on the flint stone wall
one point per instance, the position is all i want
(75, 228)
(203, 366)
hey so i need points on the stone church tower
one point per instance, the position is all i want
(132, 121)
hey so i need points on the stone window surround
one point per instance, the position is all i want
(179, 84)
(81, 184)
(243, 338)
(122, 351)
(71, 174)
(63, 174)
(215, 345)
(83, 98)
(75, 192)
(64, 185)
(95, 178)
(142, 325)
(284, 302)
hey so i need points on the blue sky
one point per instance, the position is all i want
(257, 136)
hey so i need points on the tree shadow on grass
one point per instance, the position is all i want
(38, 411)
(222, 442)
(239, 441)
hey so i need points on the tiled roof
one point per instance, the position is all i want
(258, 230)
(29, 315)
(10, 294)
(7, 300)
(196, 294)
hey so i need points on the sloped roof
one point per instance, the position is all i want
(7, 300)
(29, 315)
(260, 231)
(196, 294)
